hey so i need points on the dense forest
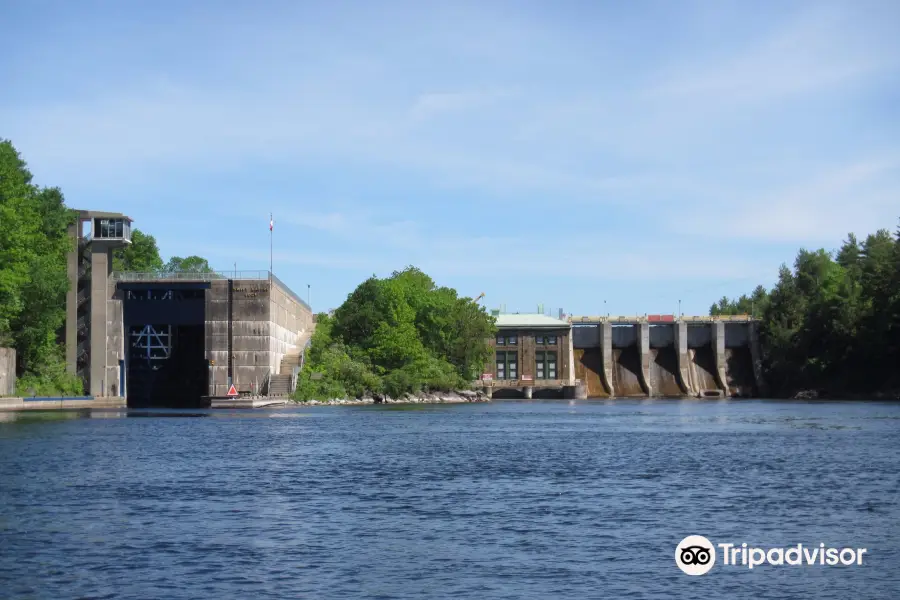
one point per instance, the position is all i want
(832, 324)
(397, 335)
(34, 241)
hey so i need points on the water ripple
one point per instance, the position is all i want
(528, 500)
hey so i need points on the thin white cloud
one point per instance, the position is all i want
(434, 104)
(859, 198)
(573, 135)
(815, 51)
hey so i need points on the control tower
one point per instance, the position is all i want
(89, 267)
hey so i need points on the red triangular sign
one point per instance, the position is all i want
(232, 391)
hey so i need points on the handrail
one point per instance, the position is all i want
(209, 276)
(188, 275)
(578, 319)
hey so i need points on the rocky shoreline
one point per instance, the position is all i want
(456, 397)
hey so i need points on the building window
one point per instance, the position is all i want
(545, 340)
(507, 367)
(545, 365)
(511, 340)
(500, 340)
(550, 340)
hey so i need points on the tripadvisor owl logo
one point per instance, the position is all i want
(695, 555)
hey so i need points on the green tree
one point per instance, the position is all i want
(397, 335)
(141, 256)
(33, 282)
(190, 264)
(833, 322)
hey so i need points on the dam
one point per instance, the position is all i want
(666, 356)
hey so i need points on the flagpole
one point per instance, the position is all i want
(271, 244)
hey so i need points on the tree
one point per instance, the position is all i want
(833, 322)
(141, 256)
(191, 264)
(33, 281)
(399, 334)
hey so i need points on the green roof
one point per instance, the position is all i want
(530, 320)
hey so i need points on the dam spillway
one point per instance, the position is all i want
(690, 357)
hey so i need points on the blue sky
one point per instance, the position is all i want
(577, 154)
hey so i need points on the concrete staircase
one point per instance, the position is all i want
(279, 385)
(288, 363)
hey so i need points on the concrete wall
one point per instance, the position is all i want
(718, 344)
(251, 330)
(291, 319)
(217, 336)
(72, 259)
(662, 336)
(605, 330)
(698, 335)
(681, 348)
(624, 336)
(268, 322)
(586, 336)
(250, 334)
(7, 371)
(737, 335)
(101, 264)
(115, 339)
(643, 331)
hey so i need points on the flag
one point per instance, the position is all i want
(271, 223)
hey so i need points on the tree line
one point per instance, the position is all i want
(34, 242)
(832, 323)
(401, 334)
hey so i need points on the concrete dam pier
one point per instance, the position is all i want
(689, 357)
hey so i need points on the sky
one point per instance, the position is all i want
(599, 157)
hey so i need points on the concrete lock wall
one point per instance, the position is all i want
(291, 319)
(267, 322)
(7, 371)
(217, 336)
(115, 340)
(247, 304)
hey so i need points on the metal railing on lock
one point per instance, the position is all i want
(190, 275)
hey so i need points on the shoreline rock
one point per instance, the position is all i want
(454, 397)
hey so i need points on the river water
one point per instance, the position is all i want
(536, 500)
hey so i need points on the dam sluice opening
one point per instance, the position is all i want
(588, 368)
(703, 368)
(664, 372)
(626, 372)
(739, 372)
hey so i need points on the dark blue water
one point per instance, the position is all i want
(535, 500)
